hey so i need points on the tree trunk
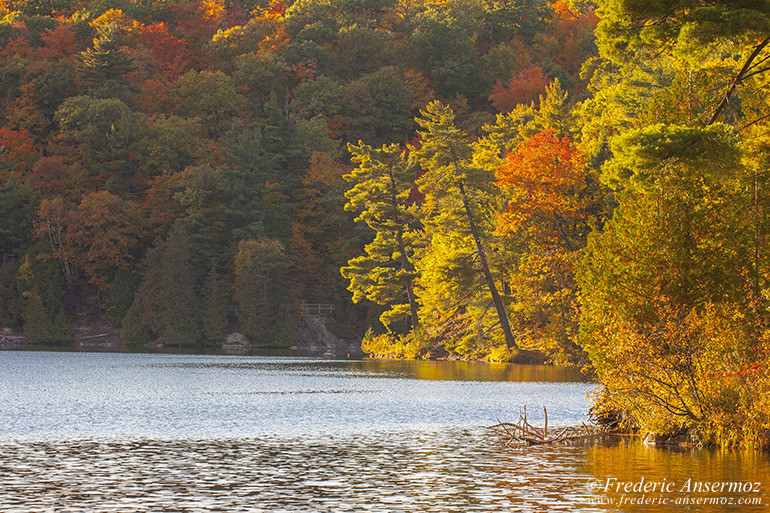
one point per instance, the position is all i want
(408, 267)
(502, 316)
(742, 75)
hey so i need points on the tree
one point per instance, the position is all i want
(523, 88)
(102, 132)
(457, 194)
(42, 287)
(553, 202)
(689, 28)
(18, 205)
(443, 47)
(103, 232)
(214, 308)
(165, 307)
(209, 95)
(666, 281)
(382, 184)
(106, 65)
(261, 291)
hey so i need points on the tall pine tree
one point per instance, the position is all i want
(383, 181)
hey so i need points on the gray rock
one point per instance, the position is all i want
(236, 343)
(314, 337)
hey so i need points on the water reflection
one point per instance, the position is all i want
(135, 432)
(407, 369)
(622, 469)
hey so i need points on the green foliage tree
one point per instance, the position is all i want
(214, 308)
(11, 299)
(166, 307)
(210, 96)
(458, 195)
(45, 321)
(382, 183)
(18, 205)
(443, 47)
(262, 292)
(107, 64)
(102, 132)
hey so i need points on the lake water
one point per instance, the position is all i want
(85, 432)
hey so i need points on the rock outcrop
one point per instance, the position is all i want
(314, 337)
(236, 343)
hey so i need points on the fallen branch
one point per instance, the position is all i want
(524, 433)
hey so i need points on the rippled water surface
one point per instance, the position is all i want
(136, 432)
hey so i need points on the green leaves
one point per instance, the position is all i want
(383, 182)
(649, 156)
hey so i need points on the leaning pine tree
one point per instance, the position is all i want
(458, 195)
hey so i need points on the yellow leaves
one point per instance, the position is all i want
(223, 36)
(117, 18)
(212, 9)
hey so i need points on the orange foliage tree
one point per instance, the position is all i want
(546, 181)
(552, 202)
(103, 232)
(525, 87)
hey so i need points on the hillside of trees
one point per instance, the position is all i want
(173, 168)
(473, 178)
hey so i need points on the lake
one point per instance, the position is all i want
(152, 432)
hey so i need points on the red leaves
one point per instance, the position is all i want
(525, 87)
(19, 151)
(545, 177)
(171, 54)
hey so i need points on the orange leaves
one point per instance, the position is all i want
(103, 230)
(546, 180)
(525, 87)
(19, 151)
(98, 236)
(58, 43)
(171, 54)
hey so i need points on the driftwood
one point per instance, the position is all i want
(524, 433)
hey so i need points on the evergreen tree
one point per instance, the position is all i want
(458, 196)
(45, 321)
(106, 65)
(383, 181)
(177, 301)
(262, 291)
(214, 308)
(166, 305)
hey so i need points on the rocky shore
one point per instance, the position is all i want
(312, 337)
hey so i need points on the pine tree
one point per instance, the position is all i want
(106, 65)
(214, 308)
(383, 181)
(458, 196)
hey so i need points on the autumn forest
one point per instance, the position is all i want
(587, 182)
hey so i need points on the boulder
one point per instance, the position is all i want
(236, 343)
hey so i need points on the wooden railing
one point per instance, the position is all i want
(323, 309)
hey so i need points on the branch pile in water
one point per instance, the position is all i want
(524, 433)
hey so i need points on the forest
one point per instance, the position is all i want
(459, 178)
